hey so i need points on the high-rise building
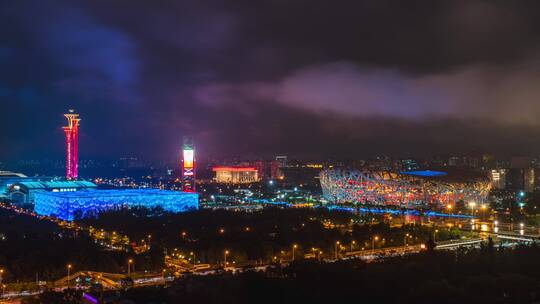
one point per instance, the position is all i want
(520, 179)
(498, 178)
(188, 165)
(453, 161)
(261, 168)
(275, 170)
(282, 160)
(72, 145)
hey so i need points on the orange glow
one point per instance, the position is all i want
(188, 159)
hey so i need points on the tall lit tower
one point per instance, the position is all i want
(188, 165)
(72, 144)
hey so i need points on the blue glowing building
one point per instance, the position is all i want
(66, 205)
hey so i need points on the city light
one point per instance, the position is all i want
(251, 152)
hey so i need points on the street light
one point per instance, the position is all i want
(130, 261)
(472, 205)
(69, 274)
(293, 248)
(375, 238)
(1, 276)
(435, 235)
(336, 249)
(225, 258)
(352, 244)
(483, 207)
(405, 239)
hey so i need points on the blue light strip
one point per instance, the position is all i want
(393, 211)
(425, 173)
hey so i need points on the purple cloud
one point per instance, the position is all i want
(503, 94)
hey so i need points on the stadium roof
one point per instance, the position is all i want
(425, 173)
(11, 174)
(57, 184)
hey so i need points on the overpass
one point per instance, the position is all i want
(107, 280)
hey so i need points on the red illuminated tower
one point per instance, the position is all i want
(188, 165)
(72, 145)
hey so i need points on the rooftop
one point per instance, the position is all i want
(11, 174)
(57, 184)
(425, 173)
(234, 168)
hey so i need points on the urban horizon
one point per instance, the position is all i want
(269, 151)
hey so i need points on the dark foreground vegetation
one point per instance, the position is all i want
(32, 248)
(489, 275)
(262, 235)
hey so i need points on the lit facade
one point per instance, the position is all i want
(236, 175)
(66, 205)
(498, 178)
(72, 145)
(405, 189)
(188, 165)
(22, 193)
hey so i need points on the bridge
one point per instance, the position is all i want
(107, 280)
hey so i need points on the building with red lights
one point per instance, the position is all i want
(236, 175)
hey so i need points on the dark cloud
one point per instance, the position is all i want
(309, 78)
(501, 94)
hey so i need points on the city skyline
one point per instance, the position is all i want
(362, 79)
(204, 151)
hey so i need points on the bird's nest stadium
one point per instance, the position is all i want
(411, 189)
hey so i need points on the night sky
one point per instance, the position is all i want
(307, 78)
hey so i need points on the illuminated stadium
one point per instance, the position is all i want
(405, 189)
(66, 205)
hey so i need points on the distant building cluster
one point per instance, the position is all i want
(282, 169)
(521, 174)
